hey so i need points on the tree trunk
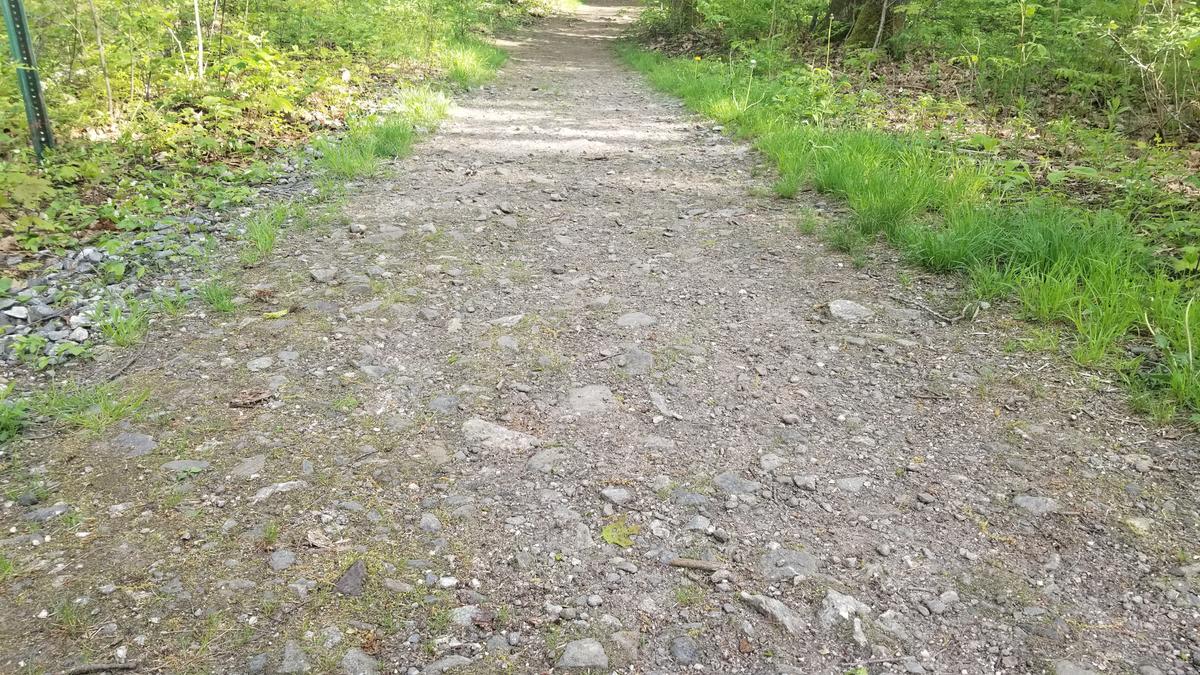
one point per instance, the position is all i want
(874, 23)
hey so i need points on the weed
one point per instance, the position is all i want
(847, 240)
(471, 62)
(423, 107)
(218, 295)
(262, 233)
(687, 595)
(70, 618)
(345, 404)
(123, 322)
(94, 408)
(270, 534)
(12, 415)
(8, 568)
(170, 303)
(619, 532)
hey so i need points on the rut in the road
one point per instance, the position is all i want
(579, 398)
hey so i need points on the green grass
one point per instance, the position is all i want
(12, 415)
(170, 303)
(1082, 268)
(218, 295)
(93, 408)
(123, 323)
(471, 62)
(372, 138)
(262, 233)
(423, 107)
(8, 568)
(70, 618)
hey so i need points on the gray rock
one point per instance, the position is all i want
(852, 484)
(133, 444)
(636, 320)
(465, 616)
(1038, 506)
(47, 512)
(839, 607)
(627, 644)
(849, 311)
(785, 564)
(430, 523)
(277, 488)
(331, 637)
(186, 465)
(397, 586)
(257, 664)
(281, 560)
(294, 659)
(583, 655)
(483, 435)
(734, 484)
(807, 483)
(352, 580)
(591, 399)
(635, 361)
(323, 275)
(544, 461)
(446, 664)
(1065, 667)
(685, 651)
(616, 495)
(358, 662)
(770, 461)
(250, 467)
(261, 363)
(775, 611)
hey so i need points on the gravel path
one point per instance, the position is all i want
(566, 393)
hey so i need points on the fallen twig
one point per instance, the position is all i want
(694, 564)
(929, 309)
(100, 667)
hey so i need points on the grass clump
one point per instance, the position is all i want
(218, 295)
(469, 63)
(12, 415)
(123, 322)
(1066, 264)
(262, 233)
(93, 408)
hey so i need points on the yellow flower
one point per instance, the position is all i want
(697, 58)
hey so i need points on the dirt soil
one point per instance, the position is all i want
(578, 395)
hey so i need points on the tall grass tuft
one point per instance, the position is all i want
(1080, 268)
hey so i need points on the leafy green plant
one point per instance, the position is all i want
(12, 415)
(203, 126)
(123, 322)
(620, 532)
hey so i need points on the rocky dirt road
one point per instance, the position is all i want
(566, 393)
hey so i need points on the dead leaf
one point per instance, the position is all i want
(248, 398)
(318, 539)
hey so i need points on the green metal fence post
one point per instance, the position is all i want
(27, 75)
